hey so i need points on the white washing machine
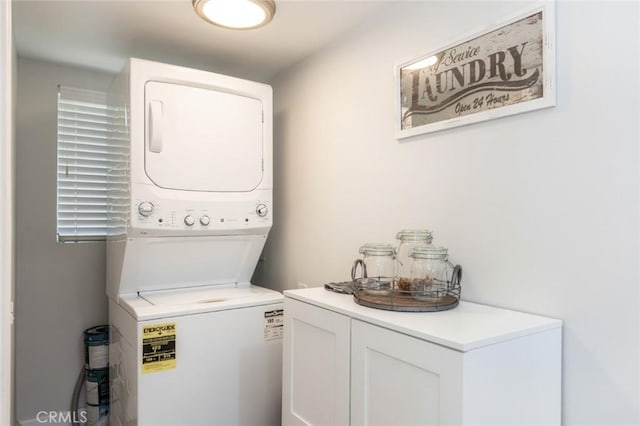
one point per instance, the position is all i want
(192, 341)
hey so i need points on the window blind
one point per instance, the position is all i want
(84, 157)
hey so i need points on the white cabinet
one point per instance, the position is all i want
(473, 365)
(317, 377)
(399, 380)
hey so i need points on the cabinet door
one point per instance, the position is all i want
(315, 387)
(401, 380)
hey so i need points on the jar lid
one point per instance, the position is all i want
(415, 235)
(377, 249)
(428, 252)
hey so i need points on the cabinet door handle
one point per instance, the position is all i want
(155, 126)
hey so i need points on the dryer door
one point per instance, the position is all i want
(201, 139)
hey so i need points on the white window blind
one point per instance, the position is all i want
(84, 157)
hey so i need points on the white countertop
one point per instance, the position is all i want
(468, 326)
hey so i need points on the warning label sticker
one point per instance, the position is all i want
(273, 324)
(158, 347)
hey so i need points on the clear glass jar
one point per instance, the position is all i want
(377, 267)
(409, 238)
(429, 273)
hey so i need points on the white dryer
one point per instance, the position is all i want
(192, 341)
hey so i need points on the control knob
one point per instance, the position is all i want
(262, 210)
(145, 209)
(189, 220)
(205, 220)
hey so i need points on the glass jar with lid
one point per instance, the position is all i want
(377, 267)
(409, 238)
(430, 272)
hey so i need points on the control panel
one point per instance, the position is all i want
(199, 217)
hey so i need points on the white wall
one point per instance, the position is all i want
(60, 288)
(541, 209)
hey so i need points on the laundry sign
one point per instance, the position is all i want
(502, 71)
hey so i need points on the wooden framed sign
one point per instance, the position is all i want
(503, 70)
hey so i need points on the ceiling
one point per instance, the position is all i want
(102, 34)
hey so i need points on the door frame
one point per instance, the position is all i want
(7, 217)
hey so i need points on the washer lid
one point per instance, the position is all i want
(149, 264)
(170, 303)
(199, 139)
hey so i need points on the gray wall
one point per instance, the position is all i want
(60, 288)
(541, 209)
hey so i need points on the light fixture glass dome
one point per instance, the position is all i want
(236, 14)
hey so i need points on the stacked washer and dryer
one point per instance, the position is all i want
(192, 341)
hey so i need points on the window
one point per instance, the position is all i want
(84, 158)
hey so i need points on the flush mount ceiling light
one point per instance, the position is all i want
(236, 14)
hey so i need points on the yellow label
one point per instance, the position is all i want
(158, 347)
